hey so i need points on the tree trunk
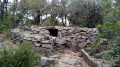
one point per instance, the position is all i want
(2, 11)
(37, 20)
(65, 19)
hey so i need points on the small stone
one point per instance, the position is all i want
(84, 37)
(37, 44)
(61, 41)
(47, 46)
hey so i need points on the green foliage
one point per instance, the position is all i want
(116, 49)
(13, 42)
(54, 65)
(24, 56)
(50, 22)
(107, 57)
(54, 49)
(28, 23)
(94, 47)
(85, 13)
(7, 33)
(111, 32)
(109, 13)
(5, 25)
(46, 53)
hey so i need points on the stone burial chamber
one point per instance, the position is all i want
(53, 32)
(44, 38)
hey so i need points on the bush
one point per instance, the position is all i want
(24, 56)
(116, 49)
(49, 22)
(111, 32)
(7, 33)
(5, 25)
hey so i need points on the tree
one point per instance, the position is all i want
(111, 11)
(28, 8)
(86, 13)
(3, 5)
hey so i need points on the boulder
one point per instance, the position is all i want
(82, 45)
(17, 30)
(61, 41)
(45, 61)
(49, 46)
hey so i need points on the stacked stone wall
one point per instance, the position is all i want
(74, 38)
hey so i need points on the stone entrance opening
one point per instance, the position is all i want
(53, 32)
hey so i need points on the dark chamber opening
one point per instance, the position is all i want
(53, 32)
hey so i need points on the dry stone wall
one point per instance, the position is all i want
(44, 38)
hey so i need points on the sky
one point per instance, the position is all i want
(18, 0)
(48, 0)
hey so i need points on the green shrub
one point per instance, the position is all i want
(5, 25)
(7, 33)
(54, 49)
(50, 22)
(111, 32)
(107, 57)
(13, 42)
(116, 49)
(24, 56)
(95, 47)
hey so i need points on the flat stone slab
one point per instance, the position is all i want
(68, 61)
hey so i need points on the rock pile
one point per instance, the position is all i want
(44, 38)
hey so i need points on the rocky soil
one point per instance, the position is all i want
(71, 59)
(61, 48)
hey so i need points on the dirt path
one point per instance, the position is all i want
(71, 59)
